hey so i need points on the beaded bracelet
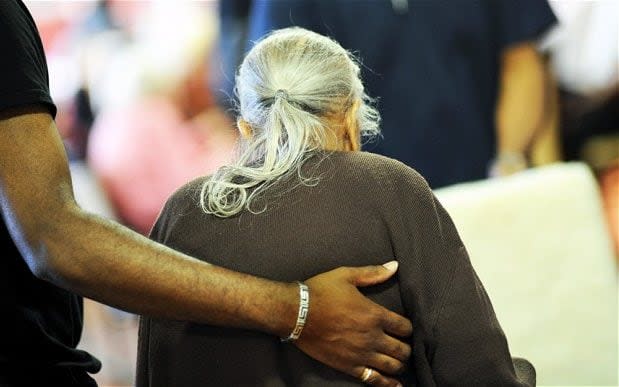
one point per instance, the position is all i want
(304, 298)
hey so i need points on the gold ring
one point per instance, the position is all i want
(367, 374)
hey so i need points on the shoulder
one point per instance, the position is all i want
(23, 69)
(183, 204)
(14, 12)
(187, 195)
(382, 170)
(184, 201)
(19, 32)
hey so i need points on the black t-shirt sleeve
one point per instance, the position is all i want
(519, 21)
(23, 69)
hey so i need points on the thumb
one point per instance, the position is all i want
(372, 275)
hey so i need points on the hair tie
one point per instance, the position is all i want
(281, 93)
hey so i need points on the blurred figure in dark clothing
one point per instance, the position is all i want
(460, 84)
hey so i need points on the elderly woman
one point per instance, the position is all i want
(299, 193)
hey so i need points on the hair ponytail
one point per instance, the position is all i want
(286, 85)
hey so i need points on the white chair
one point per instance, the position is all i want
(539, 242)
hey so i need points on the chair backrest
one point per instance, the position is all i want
(540, 243)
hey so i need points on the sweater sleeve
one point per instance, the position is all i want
(457, 339)
(470, 344)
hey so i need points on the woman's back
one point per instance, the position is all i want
(303, 230)
(299, 200)
(365, 209)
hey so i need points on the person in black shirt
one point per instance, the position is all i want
(55, 245)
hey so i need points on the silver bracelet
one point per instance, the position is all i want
(304, 299)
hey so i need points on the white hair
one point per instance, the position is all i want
(287, 85)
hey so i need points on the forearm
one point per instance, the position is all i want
(111, 264)
(520, 104)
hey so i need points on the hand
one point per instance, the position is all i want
(348, 332)
(507, 163)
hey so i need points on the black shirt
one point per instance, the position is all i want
(42, 323)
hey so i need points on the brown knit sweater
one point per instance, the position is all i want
(366, 209)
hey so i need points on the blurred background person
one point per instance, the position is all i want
(170, 130)
(584, 55)
(461, 85)
(134, 97)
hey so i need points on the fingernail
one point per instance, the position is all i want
(391, 266)
(399, 385)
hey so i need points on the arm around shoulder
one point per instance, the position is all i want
(104, 261)
(100, 259)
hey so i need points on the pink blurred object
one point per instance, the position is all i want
(142, 154)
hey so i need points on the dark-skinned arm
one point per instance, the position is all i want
(102, 260)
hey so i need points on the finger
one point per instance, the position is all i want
(394, 348)
(380, 380)
(395, 324)
(386, 364)
(372, 275)
(376, 378)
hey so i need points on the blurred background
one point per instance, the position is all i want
(509, 108)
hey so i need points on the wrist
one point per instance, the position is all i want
(302, 315)
(280, 319)
(508, 162)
